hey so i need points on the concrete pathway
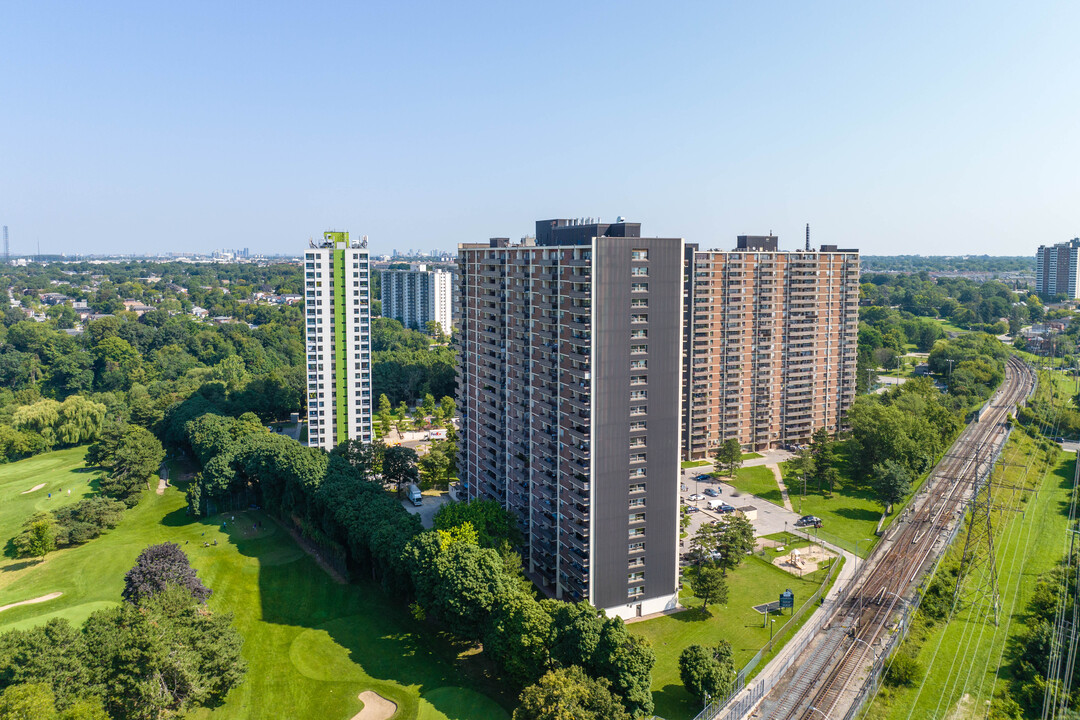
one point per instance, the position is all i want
(783, 488)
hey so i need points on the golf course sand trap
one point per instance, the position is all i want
(376, 707)
(43, 598)
(33, 489)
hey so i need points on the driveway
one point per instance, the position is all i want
(432, 503)
(770, 518)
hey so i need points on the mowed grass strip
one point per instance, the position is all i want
(312, 644)
(757, 480)
(961, 658)
(753, 583)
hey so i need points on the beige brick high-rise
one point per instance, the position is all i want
(771, 344)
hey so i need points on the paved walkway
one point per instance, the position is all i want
(783, 488)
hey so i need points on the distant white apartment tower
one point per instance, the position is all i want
(337, 315)
(1057, 269)
(417, 296)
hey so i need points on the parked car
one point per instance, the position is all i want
(710, 492)
(703, 477)
(808, 521)
(1059, 439)
(725, 508)
(695, 497)
(692, 509)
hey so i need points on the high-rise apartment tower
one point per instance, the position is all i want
(337, 316)
(1056, 269)
(770, 341)
(418, 296)
(570, 363)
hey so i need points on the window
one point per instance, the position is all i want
(636, 562)
(637, 488)
(639, 334)
(637, 532)
(639, 302)
(639, 409)
(637, 502)
(639, 575)
(639, 318)
(639, 287)
(637, 442)
(637, 517)
(637, 472)
(637, 457)
(639, 364)
(636, 591)
(637, 425)
(639, 349)
(639, 271)
(639, 394)
(637, 547)
(639, 254)
(639, 380)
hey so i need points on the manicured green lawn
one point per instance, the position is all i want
(948, 326)
(693, 463)
(851, 515)
(752, 456)
(757, 480)
(312, 644)
(59, 471)
(753, 583)
(963, 657)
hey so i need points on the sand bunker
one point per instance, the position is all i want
(43, 598)
(376, 707)
(33, 489)
(803, 560)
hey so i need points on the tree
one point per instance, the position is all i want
(518, 635)
(710, 585)
(493, 524)
(729, 457)
(734, 540)
(137, 455)
(52, 653)
(34, 701)
(447, 408)
(399, 466)
(434, 466)
(569, 694)
(158, 567)
(38, 539)
(708, 671)
(366, 458)
(163, 657)
(891, 482)
(427, 407)
(384, 414)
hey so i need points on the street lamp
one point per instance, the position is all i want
(772, 627)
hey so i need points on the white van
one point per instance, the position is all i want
(415, 495)
(714, 504)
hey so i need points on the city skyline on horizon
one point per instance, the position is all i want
(453, 124)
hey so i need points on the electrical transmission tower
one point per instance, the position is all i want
(977, 583)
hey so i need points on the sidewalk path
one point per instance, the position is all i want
(783, 488)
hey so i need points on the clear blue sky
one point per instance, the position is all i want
(893, 127)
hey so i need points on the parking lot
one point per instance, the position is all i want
(769, 518)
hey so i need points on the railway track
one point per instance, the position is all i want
(818, 688)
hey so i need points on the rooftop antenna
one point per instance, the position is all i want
(807, 237)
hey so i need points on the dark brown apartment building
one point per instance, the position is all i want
(570, 387)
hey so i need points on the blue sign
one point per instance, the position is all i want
(787, 599)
